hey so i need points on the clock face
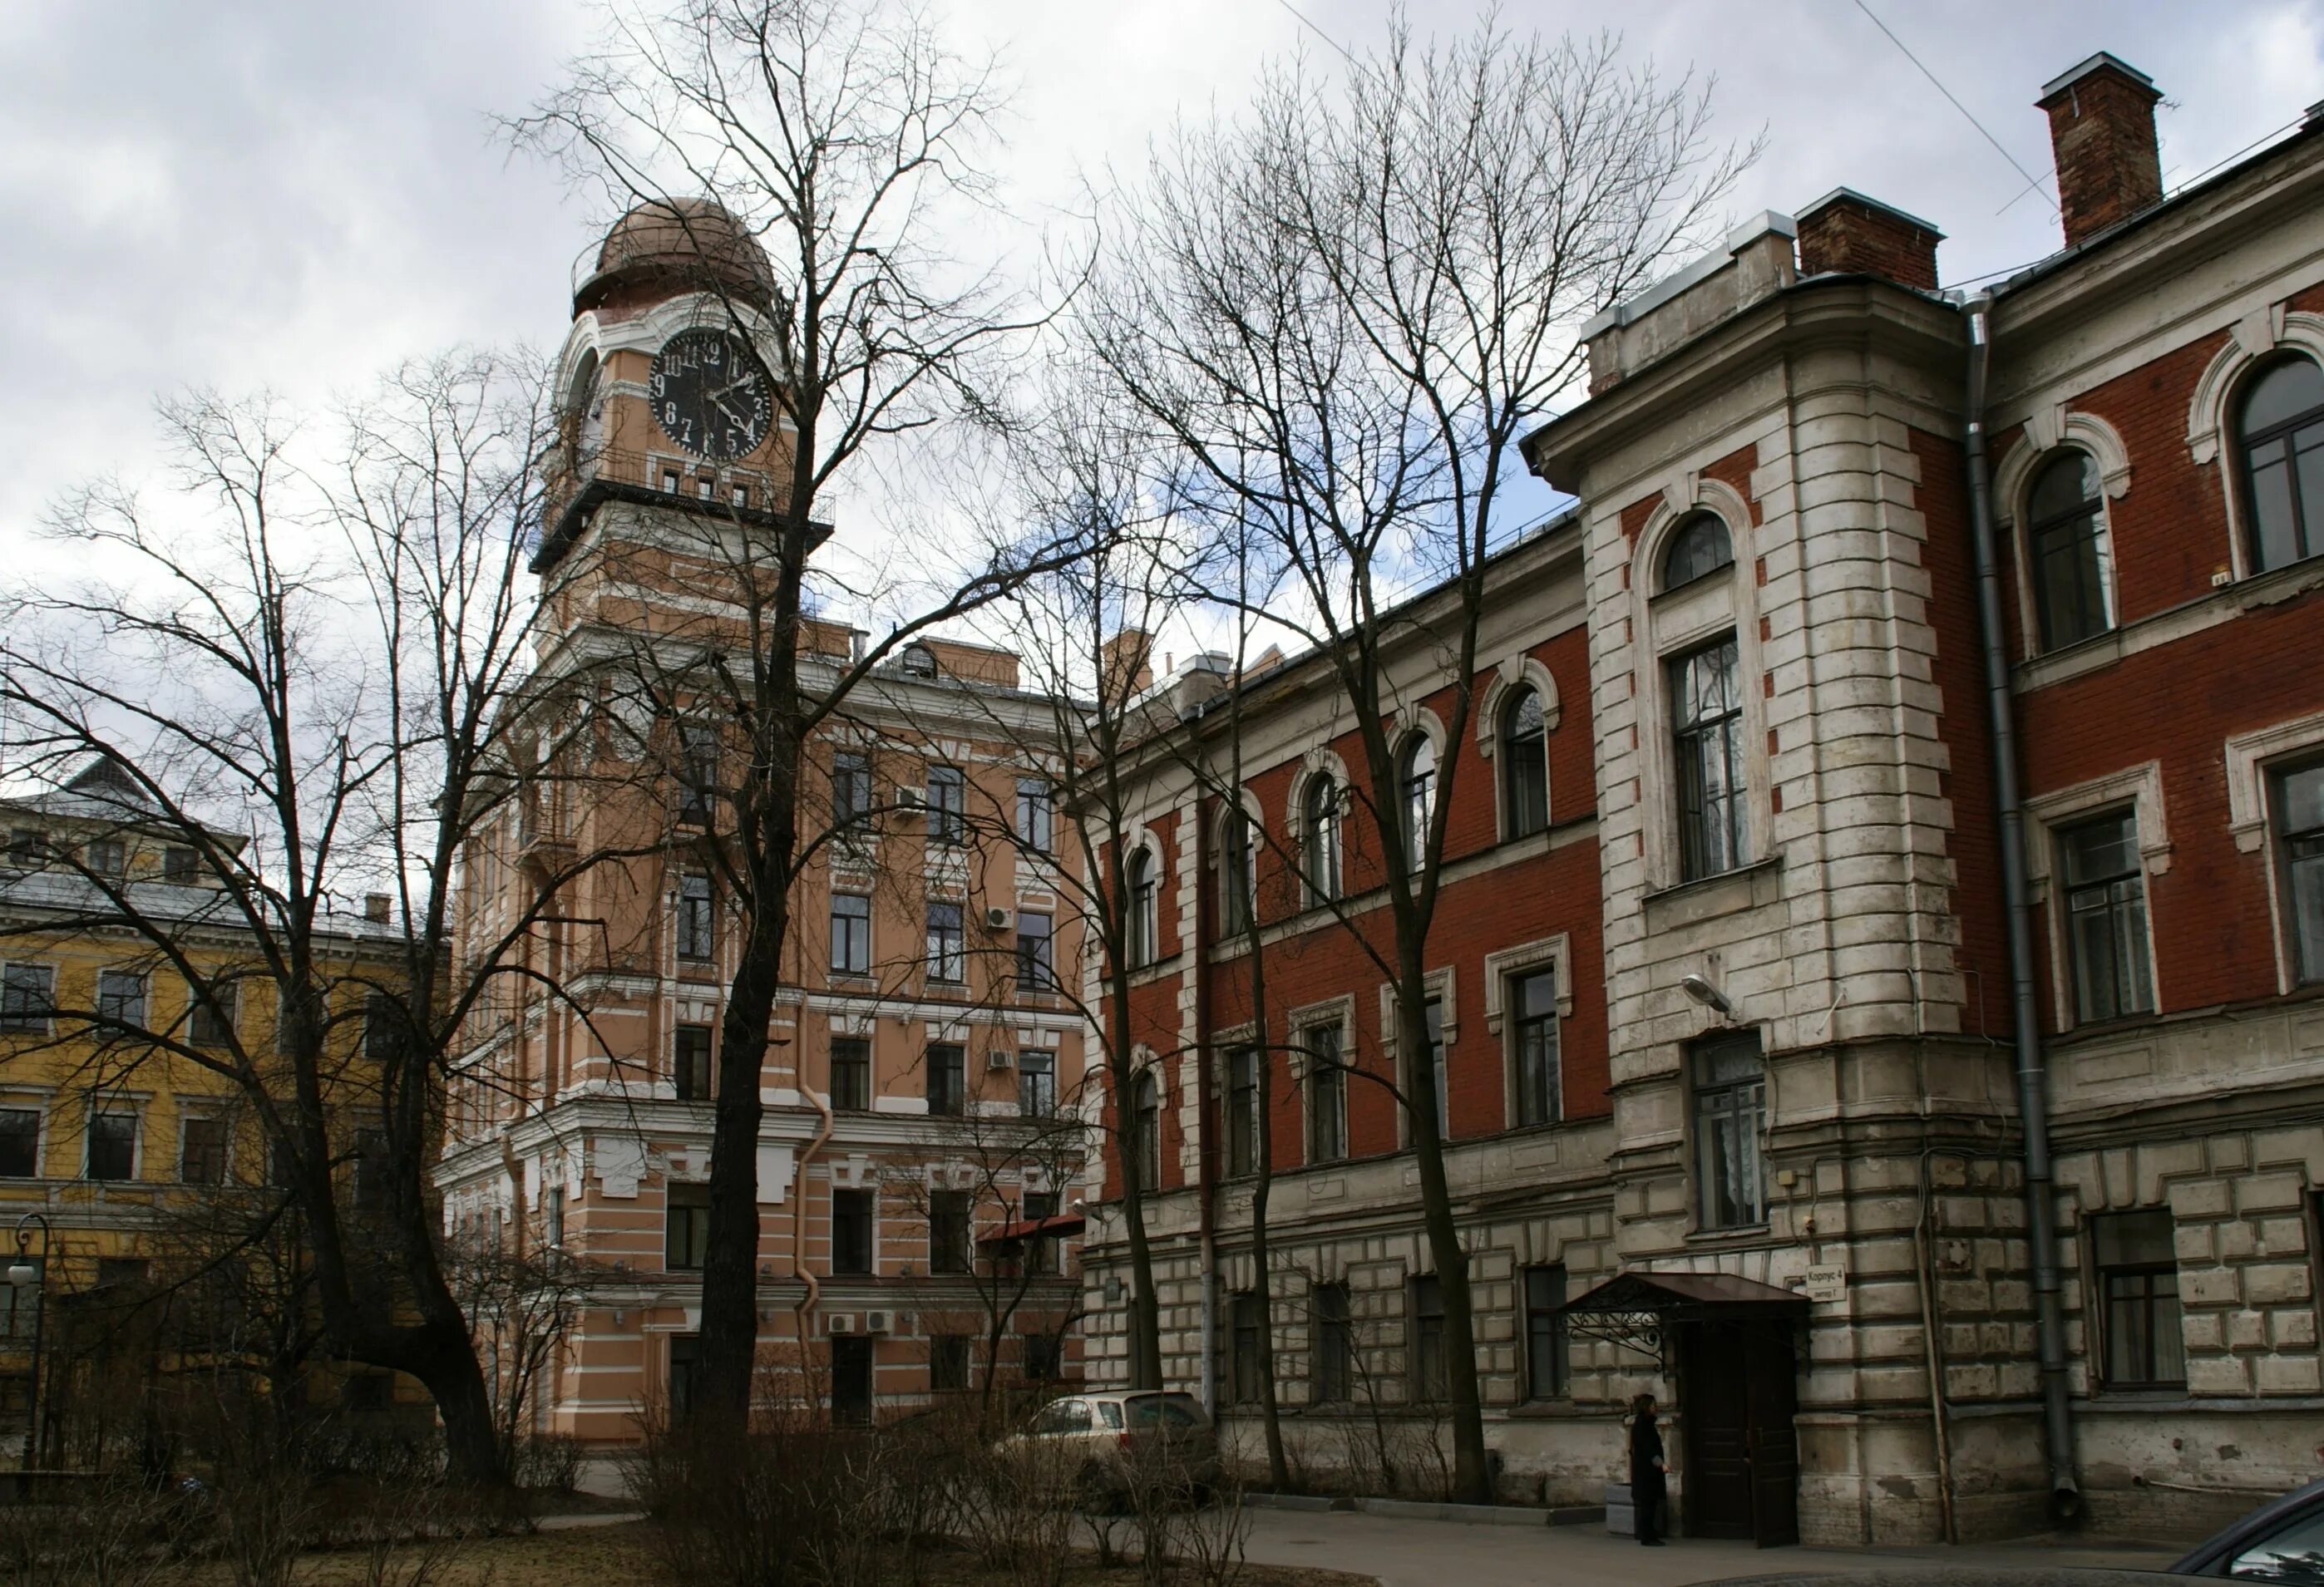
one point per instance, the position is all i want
(710, 396)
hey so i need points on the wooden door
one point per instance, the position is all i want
(1715, 1405)
(1773, 1441)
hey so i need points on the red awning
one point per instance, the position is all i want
(1036, 1229)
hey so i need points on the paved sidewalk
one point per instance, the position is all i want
(1428, 1553)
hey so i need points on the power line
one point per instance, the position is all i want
(2030, 180)
(1319, 32)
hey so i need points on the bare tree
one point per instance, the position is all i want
(833, 137)
(1341, 312)
(300, 681)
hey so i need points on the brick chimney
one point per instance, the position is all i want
(1126, 666)
(377, 907)
(2102, 135)
(1844, 232)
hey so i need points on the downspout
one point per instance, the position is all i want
(2033, 1098)
(1206, 1167)
(811, 1292)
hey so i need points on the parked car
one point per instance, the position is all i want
(2281, 1541)
(1100, 1448)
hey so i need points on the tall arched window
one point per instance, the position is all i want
(1417, 773)
(1146, 1130)
(1698, 547)
(2281, 425)
(1237, 870)
(2066, 539)
(1524, 765)
(1143, 927)
(1319, 842)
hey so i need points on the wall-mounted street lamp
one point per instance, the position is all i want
(25, 1274)
(1701, 990)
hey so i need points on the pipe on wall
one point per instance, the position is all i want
(2032, 1088)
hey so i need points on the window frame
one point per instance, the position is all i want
(1332, 1344)
(850, 792)
(1322, 840)
(1247, 1321)
(682, 1083)
(1678, 538)
(693, 925)
(2087, 521)
(946, 798)
(2303, 959)
(1326, 1076)
(2145, 1275)
(685, 1225)
(1237, 870)
(950, 1357)
(1524, 770)
(1718, 1110)
(2123, 911)
(129, 1011)
(856, 1211)
(1036, 954)
(1416, 787)
(1239, 1123)
(24, 1010)
(1037, 814)
(123, 1124)
(1695, 800)
(1037, 1064)
(38, 1115)
(2284, 430)
(1146, 1128)
(1521, 1024)
(952, 1233)
(1427, 1362)
(946, 1065)
(1142, 881)
(224, 1146)
(851, 1056)
(1546, 1336)
(850, 934)
(947, 942)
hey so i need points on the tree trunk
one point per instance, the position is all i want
(720, 1405)
(1472, 1476)
(1278, 1463)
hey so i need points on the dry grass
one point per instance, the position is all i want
(627, 1554)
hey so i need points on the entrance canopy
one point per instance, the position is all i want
(1637, 1310)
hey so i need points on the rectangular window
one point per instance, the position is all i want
(20, 1143)
(112, 1146)
(1327, 1096)
(851, 1232)
(948, 1361)
(1707, 732)
(684, 1357)
(851, 791)
(24, 846)
(111, 1271)
(212, 1018)
(669, 480)
(27, 997)
(1037, 952)
(2300, 817)
(851, 935)
(372, 1185)
(948, 1229)
(1435, 1017)
(1040, 1250)
(851, 1074)
(690, 1063)
(697, 773)
(685, 1226)
(1036, 1083)
(1334, 1342)
(1544, 1295)
(1250, 1326)
(1427, 1338)
(1731, 1115)
(202, 1148)
(947, 943)
(1042, 1355)
(1036, 815)
(121, 998)
(1533, 1009)
(2139, 1279)
(383, 1029)
(1242, 1112)
(1237, 862)
(948, 805)
(695, 939)
(2106, 917)
(948, 1079)
(107, 857)
(179, 865)
(552, 1215)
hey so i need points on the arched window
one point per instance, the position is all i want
(2281, 425)
(1698, 547)
(1524, 765)
(1417, 774)
(1142, 926)
(919, 661)
(1237, 870)
(2066, 539)
(1319, 843)
(1146, 1130)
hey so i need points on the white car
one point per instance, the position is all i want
(1102, 1446)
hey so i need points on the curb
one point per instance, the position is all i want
(1411, 1510)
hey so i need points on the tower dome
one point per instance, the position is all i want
(661, 249)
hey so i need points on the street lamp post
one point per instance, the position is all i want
(24, 1274)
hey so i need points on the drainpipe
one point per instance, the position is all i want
(2033, 1099)
(810, 1290)
(1205, 1158)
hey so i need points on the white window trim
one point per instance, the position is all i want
(1332, 1014)
(1527, 670)
(36, 1100)
(1442, 985)
(1667, 626)
(2139, 786)
(2048, 430)
(1317, 762)
(116, 1107)
(1504, 965)
(47, 1026)
(2210, 428)
(2251, 815)
(189, 1111)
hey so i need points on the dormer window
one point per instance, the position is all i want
(1699, 548)
(919, 661)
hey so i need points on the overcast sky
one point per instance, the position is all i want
(293, 194)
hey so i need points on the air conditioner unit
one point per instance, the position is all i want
(840, 1323)
(878, 1321)
(1000, 1057)
(911, 799)
(998, 920)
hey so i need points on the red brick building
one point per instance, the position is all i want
(1894, 1036)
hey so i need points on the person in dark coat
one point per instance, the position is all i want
(1647, 1489)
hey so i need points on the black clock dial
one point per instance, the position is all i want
(710, 396)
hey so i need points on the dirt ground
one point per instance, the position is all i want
(624, 1555)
